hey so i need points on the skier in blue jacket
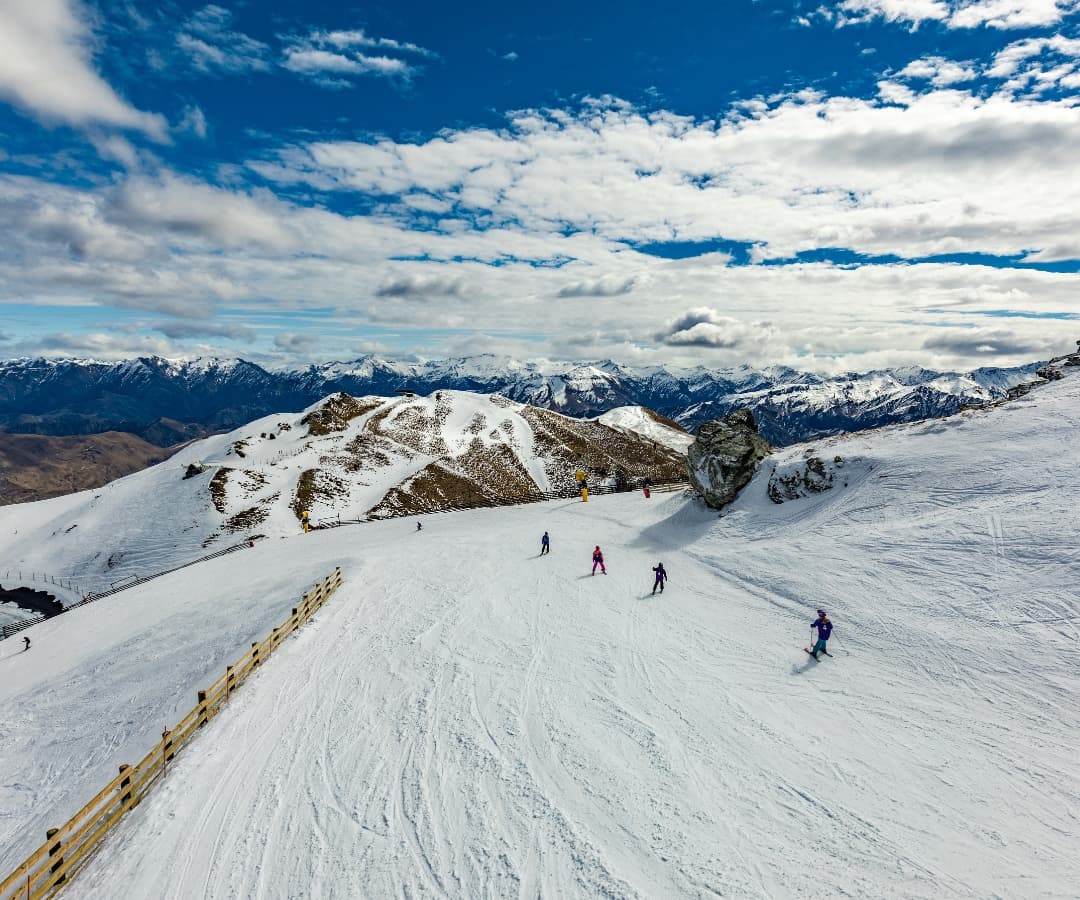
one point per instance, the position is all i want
(661, 577)
(824, 629)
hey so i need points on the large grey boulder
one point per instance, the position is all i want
(724, 456)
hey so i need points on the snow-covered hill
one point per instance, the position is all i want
(343, 458)
(468, 719)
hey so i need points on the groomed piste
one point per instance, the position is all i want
(470, 719)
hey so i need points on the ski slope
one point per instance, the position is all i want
(468, 719)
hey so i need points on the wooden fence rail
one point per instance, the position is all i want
(491, 501)
(67, 848)
(15, 627)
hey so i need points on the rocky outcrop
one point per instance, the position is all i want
(724, 456)
(803, 478)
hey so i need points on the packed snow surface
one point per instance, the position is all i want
(466, 718)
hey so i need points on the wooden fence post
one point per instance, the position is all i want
(54, 850)
(166, 751)
(228, 682)
(204, 716)
(254, 654)
(125, 787)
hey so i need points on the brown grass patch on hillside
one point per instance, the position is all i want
(217, 489)
(433, 488)
(568, 444)
(305, 492)
(246, 518)
(412, 427)
(366, 451)
(495, 469)
(317, 485)
(336, 413)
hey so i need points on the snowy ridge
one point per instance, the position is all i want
(482, 721)
(343, 458)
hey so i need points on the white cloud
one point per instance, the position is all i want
(999, 14)
(914, 11)
(329, 56)
(210, 44)
(916, 175)
(360, 38)
(309, 61)
(193, 122)
(938, 71)
(46, 70)
(503, 230)
(296, 343)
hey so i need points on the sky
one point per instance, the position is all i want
(836, 187)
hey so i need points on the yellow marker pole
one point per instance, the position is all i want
(584, 495)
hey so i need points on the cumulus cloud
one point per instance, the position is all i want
(46, 70)
(914, 174)
(482, 227)
(706, 327)
(605, 286)
(295, 343)
(212, 46)
(938, 71)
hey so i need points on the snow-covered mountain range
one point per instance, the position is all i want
(167, 401)
(467, 718)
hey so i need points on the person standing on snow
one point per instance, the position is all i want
(598, 560)
(26, 641)
(824, 629)
(545, 544)
(419, 527)
(661, 577)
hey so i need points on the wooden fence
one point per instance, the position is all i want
(67, 848)
(490, 501)
(11, 628)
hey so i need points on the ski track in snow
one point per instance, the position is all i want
(466, 718)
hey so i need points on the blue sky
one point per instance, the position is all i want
(835, 186)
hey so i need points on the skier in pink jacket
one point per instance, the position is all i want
(598, 560)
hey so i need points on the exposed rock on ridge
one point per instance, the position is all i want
(724, 456)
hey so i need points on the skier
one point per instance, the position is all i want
(661, 577)
(598, 560)
(824, 629)
(26, 641)
(545, 544)
(419, 527)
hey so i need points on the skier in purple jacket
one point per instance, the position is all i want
(824, 629)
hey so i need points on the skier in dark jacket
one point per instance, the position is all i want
(824, 629)
(545, 544)
(26, 641)
(661, 577)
